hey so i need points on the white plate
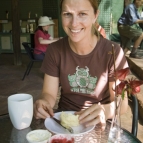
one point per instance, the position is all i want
(55, 128)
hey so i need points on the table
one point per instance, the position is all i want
(8, 134)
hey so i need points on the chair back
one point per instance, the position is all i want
(135, 115)
(28, 49)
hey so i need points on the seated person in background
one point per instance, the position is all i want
(129, 29)
(75, 62)
(42, 38)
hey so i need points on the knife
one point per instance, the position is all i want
(69, 128)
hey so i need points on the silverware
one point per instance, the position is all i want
(68, 128)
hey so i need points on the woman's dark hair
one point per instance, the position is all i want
(40, 28)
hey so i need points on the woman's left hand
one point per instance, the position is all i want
(92, 116)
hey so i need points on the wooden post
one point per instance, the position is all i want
(16, 32)
(61, 32)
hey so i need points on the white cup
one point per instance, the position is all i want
(20, 108)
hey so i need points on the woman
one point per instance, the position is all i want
(42, 38)
(81, 63)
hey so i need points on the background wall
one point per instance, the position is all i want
(117, 9)
(33, 6)
(26, 6)
(32, 9)
(104, 18)
(5, 5)
(50, 8)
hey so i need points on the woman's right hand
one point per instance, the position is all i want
(42, 109)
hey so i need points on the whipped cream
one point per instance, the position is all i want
(38, 136)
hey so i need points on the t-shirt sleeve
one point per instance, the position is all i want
(50, 64)
(39, 34)
(48, 36)
(132, 15)
(120, 62)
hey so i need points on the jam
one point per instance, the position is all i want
(63, 140)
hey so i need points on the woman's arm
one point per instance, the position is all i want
(99, 113)
(50, 89)
(44, 41)
(43, 107)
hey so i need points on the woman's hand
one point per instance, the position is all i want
(92, 116)
(51, 38)
(42, 109)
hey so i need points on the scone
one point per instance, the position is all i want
(69, 119)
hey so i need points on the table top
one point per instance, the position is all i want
(8, 134)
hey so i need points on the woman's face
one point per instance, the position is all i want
(77, 19)
(45, 28)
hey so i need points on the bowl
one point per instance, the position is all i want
(38, 136)
(61, 138)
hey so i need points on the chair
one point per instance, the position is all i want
(134, 128)
(29, 51)
(115, 37)
(135, 115)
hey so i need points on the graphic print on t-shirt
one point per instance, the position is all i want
(81, 81)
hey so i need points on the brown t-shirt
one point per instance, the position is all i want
(84, 78)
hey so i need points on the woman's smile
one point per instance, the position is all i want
(76, 32)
